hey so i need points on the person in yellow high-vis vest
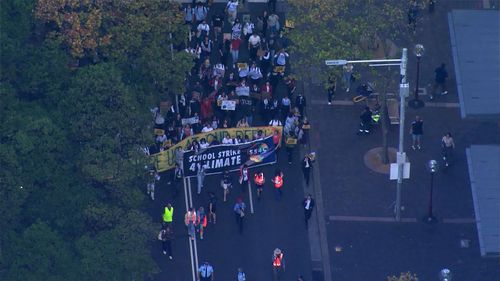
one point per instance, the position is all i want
(168, 214)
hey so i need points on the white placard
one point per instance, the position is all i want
(228, 105)
(394, 171)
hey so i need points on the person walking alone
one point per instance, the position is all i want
(416, 131)
(206, 272)
(278, 264)
(239, 212)
(241, 275)
(440, 80)
(332, 86)
(306, 168)
(447, 146)
(166, 236)
(308, 205)
(168, 214)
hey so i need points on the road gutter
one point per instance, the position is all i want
(318, 242)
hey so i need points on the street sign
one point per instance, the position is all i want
(394, 171)
(335, 62)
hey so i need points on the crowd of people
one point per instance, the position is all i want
(241, 78)
(226, 87)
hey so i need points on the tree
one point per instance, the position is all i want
(342, 29)
(120, 252)
(351, 30)
(41, 254)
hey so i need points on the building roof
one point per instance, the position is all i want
(484, 172)
(475, 41)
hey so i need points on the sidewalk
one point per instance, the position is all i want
(364, 241)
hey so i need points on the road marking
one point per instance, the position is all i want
(193, 253)
(350, 103)
(460, 220)
(393, 220)
(250, 195)
(369, 219)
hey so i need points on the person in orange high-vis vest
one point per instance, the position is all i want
(278, 184)
(259, 181)
(190, 219)
(278, 263)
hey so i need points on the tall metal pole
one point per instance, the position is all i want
(401, 156)
(418, 78)
(431, 195)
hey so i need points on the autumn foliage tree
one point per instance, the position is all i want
(342, 29)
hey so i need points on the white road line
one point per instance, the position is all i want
(250, 195)
(195, 254)
(193, 271)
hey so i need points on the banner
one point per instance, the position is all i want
(165, 160)
(229, 157)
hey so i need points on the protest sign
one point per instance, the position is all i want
(229, 157)
(165, 160)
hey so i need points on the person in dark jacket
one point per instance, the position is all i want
(308, 205)
(366, 121)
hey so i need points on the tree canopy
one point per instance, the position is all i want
(342, 29)
(77, 81)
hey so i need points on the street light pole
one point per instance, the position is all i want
(401, 157)
(403, 93)
(416, 102)
(430, 216)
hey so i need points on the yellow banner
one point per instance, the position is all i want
(165, 160)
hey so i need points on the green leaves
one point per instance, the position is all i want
(41, 254)
(341, 29)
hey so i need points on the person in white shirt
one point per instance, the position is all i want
(248, 29)
(281, 57)
(219, 70)
(203, 29)
(232, 10)
(161, 139)
(243, 89)
(255, 73)
(227, 139)
(203, 143)
(207, 128)
(253, 45)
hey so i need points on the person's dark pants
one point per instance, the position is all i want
(206, 278)
(289, 153)
(307, 173)
(244, 185)
(277, 193)
(330, 96)
(167, 247)
(307, 214)
(239, 221)
(253, 53)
